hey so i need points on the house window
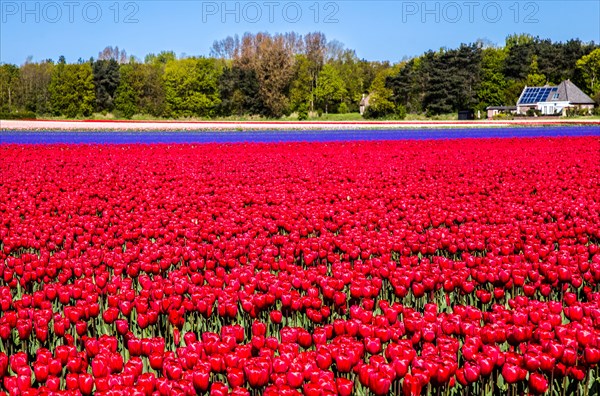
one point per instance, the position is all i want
(555, 96)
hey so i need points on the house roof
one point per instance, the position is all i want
(567, 91)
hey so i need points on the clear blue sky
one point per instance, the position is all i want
(377, 30)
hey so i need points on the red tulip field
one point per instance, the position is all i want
(456, 267)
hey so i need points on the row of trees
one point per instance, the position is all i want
(274, 75)
(476, 76)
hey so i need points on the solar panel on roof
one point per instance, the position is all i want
(536, 94)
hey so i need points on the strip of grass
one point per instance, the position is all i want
(348, 117)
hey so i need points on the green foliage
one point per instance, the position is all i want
(72, 91)
(32, 87)
(558, 60)
(368, 71)
(379, 108)
(239, 92)
(127, 95)
(140, 90)
(406, 86)
(315, 45)
(301, 88)
(9, 76)
(302, 112)
(588, 68)
(578, 112)
(106, 81)
(191, 87)
(152, 97)
(349, 66)
(335, 117)
(518, 58)
(514, 40)
(25, 115)
(554, 60)
(162, 58)
(381, 103)
(452, 79)
(343, 108)
(513, 91)
(492, 89)
(330, 86)
(534, 78)
(503, 116)
(400, 112)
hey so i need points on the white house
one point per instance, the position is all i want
(551, 100)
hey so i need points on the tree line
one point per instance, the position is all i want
(275, 75)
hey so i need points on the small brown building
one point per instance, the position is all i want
(495, 110)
